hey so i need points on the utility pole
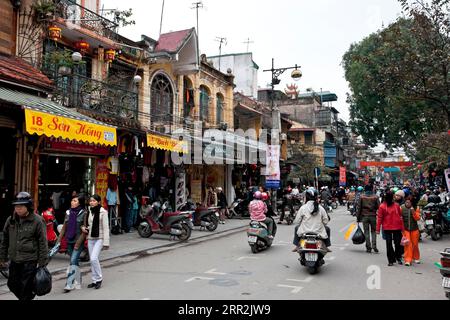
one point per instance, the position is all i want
(162, 14)
(221, 40)
(248, 42)
(196, 6)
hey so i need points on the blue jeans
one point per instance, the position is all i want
(74, 254)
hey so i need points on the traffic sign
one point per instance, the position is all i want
(317, 171)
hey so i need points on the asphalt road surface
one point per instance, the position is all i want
(225, 269)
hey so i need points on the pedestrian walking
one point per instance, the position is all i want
(96, 226)
(71, 230)
(390, 218)
(130, 204)
(222, 203)
(367, 214)
(412, 233)
(23, 231)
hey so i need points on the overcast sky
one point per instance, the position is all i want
(314, 34)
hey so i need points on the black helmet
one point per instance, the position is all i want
(311, 194)
(23, 198)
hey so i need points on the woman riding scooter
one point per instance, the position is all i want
(258, 210)
(312, 217)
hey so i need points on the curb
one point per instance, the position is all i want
(141, 253)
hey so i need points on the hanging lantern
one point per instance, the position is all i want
(54, 33)
(82, 46)
(110, 55)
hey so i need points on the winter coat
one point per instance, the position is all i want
(222, 200)
(103, 227)
(25, 240)
(257, 209)
(312, 223)
(410, 218)
(390, 217)
(80, 237)
(368, 205)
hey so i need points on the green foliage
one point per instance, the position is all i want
(122, 17)
(399, 78)
(60, 58)
(42, 7)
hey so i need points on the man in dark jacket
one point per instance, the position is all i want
(25, 244)
(367, 213)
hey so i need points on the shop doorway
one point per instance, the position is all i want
(7, 173)
(62, 175)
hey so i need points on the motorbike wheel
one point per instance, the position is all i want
(229, 214)
(186, 232)
(145, 231)
(435, 236)
(312, 270)
(289, 220)
(214, 223)
(334, 205)
(5, 273)
(254, 248)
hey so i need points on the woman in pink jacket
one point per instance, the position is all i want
(258, 210)
(390, 218)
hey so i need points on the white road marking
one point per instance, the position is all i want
(307, 280)
(247, 257)
(214, 271)
(198, 278)
(295, 289)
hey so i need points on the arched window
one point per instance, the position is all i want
(219, 108)
(162, 98)
(188, 104)
(204, 103)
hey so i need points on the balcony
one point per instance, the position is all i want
(76, 16)
(75, 91)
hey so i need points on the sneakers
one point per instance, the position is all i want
(417, 261)
(369, 250)
(390, 264)
(92, 285)
(407, 264)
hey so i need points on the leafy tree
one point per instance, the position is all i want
(400, 78)
(122, 17)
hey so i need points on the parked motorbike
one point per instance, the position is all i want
(445, 271)
(238, 209)
(351, 207)
(258, 236)
(203, 217)
(437, 220)
(312, 252)
(158, 219)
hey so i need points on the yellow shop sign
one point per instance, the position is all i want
(50, 125)
(165, 143)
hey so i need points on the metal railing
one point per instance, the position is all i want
(74, 13)
(76, 91)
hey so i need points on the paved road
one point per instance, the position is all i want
(225, 268)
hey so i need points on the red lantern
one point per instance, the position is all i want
(82, 46)
(433, 173)
(254, 167)
(54, 33)
(110, 55)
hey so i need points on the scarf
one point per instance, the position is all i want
(95, 229)
(72, 224)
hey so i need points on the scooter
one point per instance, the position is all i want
(203, 217)
(437, 220)
(445, 271)
(312, 252)
(238, 209)
(258, 236)
(176, 224)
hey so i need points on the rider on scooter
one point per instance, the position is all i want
(258, 210)
(312, 217)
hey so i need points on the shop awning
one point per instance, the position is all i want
(45, 117)
(166, 143)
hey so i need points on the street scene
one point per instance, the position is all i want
(179, 150)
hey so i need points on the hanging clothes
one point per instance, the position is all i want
(153, 162)
(145, 175)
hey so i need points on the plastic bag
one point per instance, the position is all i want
(421, 225)
(43, 281)
(404, 241)
(359, 237)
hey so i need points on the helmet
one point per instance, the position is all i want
(289, 189)
(407, 192)
(400, 193)
(311, 194)
(264, 196)
(23, 198)
(360, 189)
(257, 195)
(436, 191)
(395, 190)
(352, 189)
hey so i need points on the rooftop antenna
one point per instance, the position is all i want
(221, 40)
(162, 14)
(248, 42)
(196, 6)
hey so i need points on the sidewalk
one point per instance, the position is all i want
(128, 244)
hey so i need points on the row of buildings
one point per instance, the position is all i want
(85, 109)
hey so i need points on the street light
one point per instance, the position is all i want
(276, 120)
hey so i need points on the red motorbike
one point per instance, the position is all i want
(49, 218)
(160, 220)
